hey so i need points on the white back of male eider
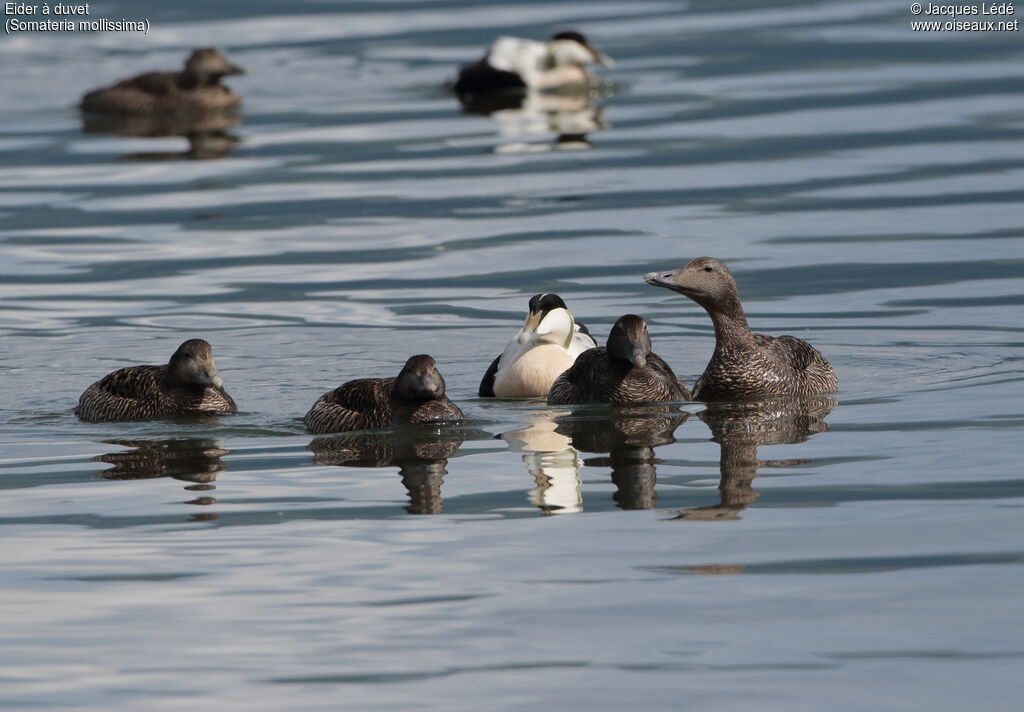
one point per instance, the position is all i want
(548, 343)
(515, 63)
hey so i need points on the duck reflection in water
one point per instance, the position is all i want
(739, 427)
(552, 461)
(571, 117)
(195, 460)
(206, 133)
(420, 454)
(628, 434)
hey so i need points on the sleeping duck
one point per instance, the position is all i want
(548, 343)
(513, 64)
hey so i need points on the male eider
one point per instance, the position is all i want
(624, 372)
(548, 343)
(416, 395)
(514, 64)
(195, 89)
(744, 364)
(187, 385)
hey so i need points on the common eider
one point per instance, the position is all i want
(625, 371)
(549, 342)
(744, 364)
(513, 64)
(416, 395)
(187, 385)
(196, 88)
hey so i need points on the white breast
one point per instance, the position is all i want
(527, 371)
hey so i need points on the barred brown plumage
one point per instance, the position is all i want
(187, 385)
(196, 88)
(626, 371)
(416, 395)
(744, 364)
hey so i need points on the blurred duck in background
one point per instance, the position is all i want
(196, 88)
(513, 64)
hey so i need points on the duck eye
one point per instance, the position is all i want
(709, 269)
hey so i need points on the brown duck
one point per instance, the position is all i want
(416, 395)
(625, 371)
(187, 385)
(195, 89)
(744, 364)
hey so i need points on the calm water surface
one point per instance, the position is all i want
(863, 552)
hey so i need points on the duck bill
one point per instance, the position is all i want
(660, 279)
(603, 59)
(429, 388)
(529, 329)
(657, 279)
(235, 69)
(212, 379)
(638, 359)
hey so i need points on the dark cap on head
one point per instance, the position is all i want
(543, 303)
(571, 35)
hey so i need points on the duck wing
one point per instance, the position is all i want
(363, 403)
(487, 384)
(586, 381)
(812, 373)
(156, 83)
(126, 394)
(674, 388)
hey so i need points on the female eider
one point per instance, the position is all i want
(744, 364)
(624, 372)
(416, 395)
(548, 343)
(195, 89)
(516, 64)
(187, 385)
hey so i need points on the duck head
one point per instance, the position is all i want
(572, 48)
(419, 380)
(192, 364)
(549, 322)
(705, 280)
(209, 63)
(629, 340)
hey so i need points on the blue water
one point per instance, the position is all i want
(863, 181)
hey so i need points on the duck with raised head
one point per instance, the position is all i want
(196, 88)
(624, 371)
(744, 364)
(187, 385)
(514, 64)
(416, 395)
(549, 342)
